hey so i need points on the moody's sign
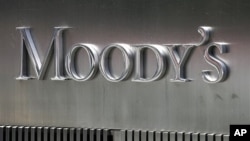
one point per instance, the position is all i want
(132, 55)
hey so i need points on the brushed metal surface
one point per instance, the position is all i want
(130, 135)
(20, 133)
(52, 133)
(7, 133)
(158, 136)
(188, 136)
(14, 133)
(65, 134)
(165, 136)
(72, 134)
(172, 136)
(203, 137)
(219, 138)
(195, 136)
(59, 134)
(193, 106)
(180, 136)
(211, 137)
(151, 136)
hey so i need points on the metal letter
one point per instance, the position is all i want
(205, 32)
(161, 55)
(179, 62)
(127, 52)
(93, 61)
(218, 64)
(28, 47)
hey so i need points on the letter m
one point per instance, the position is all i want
(28, 48)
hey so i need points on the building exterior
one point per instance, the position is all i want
(123, 70)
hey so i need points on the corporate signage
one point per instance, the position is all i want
(65, 66)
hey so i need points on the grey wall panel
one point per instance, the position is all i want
(193, 106)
